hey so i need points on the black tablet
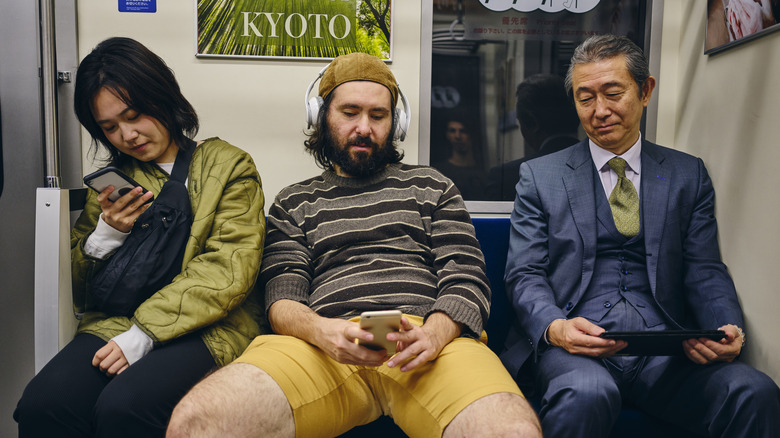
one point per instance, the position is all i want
(659, 343)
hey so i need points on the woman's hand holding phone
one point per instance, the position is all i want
(122, 213)
(120, 197)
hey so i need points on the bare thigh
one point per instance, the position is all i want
(239, 400)
(496, 415)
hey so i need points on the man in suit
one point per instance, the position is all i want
(592, 250)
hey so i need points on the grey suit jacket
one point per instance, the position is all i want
(552, 248)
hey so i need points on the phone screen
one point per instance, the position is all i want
(111, 176)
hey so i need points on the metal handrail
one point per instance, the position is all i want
(49, 93)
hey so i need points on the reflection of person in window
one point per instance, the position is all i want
(548, 122)
(462, 165)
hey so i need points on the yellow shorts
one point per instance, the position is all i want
(328, 398)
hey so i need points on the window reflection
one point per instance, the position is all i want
(476, 69)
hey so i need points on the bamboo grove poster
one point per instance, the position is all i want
(310, 29)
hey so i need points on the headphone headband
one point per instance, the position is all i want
(313, 105)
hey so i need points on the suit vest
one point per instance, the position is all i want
(619, 277)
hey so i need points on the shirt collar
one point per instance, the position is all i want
(632, 156)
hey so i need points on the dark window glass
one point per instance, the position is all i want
(479, 133)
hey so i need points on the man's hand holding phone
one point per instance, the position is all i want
(338, 339)
(421, 344)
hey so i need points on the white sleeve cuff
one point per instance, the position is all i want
(546, 335)
(104, 240)
(134, 343)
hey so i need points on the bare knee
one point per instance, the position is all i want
(496, 415)
(180, 421)
(239, 400)
(194, 409)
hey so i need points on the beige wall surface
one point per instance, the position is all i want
(255, 104)
(724, 108)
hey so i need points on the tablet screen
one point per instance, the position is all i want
(659, 343)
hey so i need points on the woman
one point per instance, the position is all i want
(122, 376)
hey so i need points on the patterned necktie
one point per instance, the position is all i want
(624, 200)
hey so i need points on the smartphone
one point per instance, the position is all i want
(380, 323)
(111, 176)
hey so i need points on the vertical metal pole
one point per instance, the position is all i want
(49, 92)
(426, 65)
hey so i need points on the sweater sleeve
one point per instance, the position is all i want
(287, 270)
(464, 291)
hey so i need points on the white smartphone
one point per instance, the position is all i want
(111, 176)
(380, 323)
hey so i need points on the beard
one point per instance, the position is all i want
(360, 164)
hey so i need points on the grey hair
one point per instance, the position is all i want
(601, 47)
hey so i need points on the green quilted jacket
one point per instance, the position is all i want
(214, 294)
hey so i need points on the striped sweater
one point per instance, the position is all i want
(400, 239)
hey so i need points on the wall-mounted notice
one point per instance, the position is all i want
(553, 20)
(137, 5)
(308, 29)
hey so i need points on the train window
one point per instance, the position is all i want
(480, 52)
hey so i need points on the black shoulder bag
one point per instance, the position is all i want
(153, 252)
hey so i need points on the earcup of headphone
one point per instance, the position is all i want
(313, 111)
(401, 126)
(403, 117)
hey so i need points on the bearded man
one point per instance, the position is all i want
(369, 233)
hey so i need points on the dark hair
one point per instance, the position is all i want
(320, 142)
(600, 47)
(542, 101)
(142, 80)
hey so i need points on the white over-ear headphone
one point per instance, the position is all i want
(313, 105)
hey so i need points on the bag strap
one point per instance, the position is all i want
(181, 166)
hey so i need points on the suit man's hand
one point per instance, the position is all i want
(704, 351)
(580, 336)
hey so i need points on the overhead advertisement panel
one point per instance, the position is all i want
(310, 29)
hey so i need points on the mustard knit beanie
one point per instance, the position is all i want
(357, 66)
